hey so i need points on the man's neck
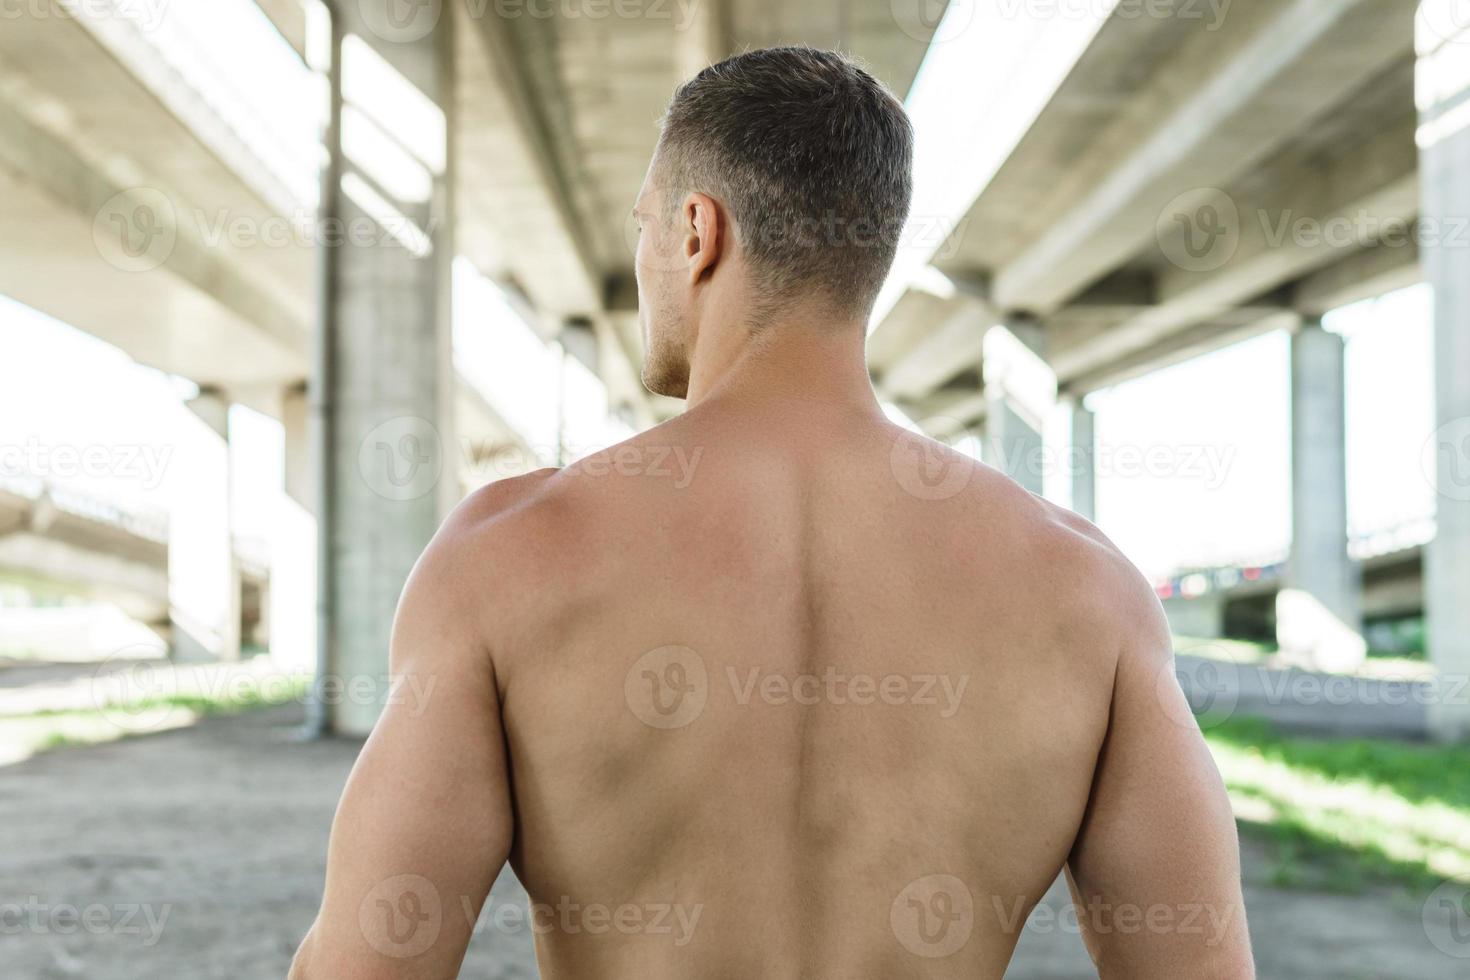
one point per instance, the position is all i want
(814, 359)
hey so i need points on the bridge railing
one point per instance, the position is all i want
(1404, 533)
(144, 522)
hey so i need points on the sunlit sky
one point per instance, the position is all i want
(1224, 416)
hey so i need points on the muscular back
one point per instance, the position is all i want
(770, 692)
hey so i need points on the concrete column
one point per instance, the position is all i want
(1083, 461)
(203, 578)
(383, 381)
(1013, 441)
(1443, 87)
(295, 427)
(1318, 614)
(291, 615)
(1199, 618)
(1019, 391)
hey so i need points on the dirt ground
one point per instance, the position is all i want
(198, 853)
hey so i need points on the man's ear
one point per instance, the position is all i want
(704, 238)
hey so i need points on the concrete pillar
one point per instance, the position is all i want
(1019, 391)
(295, 427)
(1198, 618)
(1083, 461)
(292, 600)
(1013, 441)
(1318, 614)
(203, 577)
(382, 388)
(1443, 86)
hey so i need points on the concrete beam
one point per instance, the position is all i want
(289, 17)
(504, 131)
(136, 584)
(1242, 324)
(154, 286)
(955, 345)
(1205, 134)
(1363, 275)
(1124, 290)
(530, 228)
(128, 182)
(1311, 215)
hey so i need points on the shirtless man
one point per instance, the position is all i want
(777, 689)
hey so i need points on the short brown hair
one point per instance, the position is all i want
(813, 157)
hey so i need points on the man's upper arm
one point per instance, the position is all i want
(1155, 870)
(425, 824)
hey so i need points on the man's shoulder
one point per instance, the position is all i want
(485, 530)
(1119, 598)
(540, 516)
(501, 497)
(1091, 552)
(1055, 553)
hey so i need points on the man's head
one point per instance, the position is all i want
(782, 177)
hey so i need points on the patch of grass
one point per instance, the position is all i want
(1419, 772)
(26, 735)
(1232, 651)
(1344, 813)
(238, 698)
(1379, 663)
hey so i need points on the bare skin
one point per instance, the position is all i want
(777, 689)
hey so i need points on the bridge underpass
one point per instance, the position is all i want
(134, 212)
(1129, 224)
(85, 547)
(1135, 223)
(1136, 220)
(155, 208)
(71, 547)
(1239, 601)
